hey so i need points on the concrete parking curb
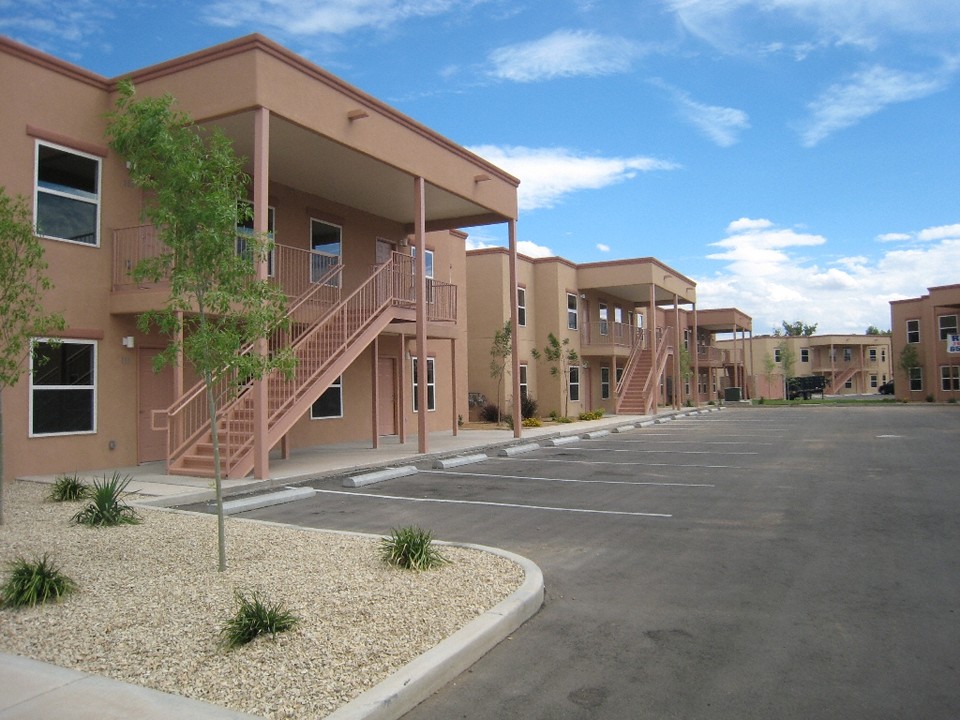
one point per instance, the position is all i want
(355, 481)
(518, 449)
(458, 460)
(254, 502)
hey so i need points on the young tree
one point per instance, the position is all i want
(795, 329)
(217, 304)
(686, 367)
(561, 358)
(500, 353)
(788, 359)
(22, 286)
(769, 366)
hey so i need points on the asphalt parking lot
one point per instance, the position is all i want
(792, 562)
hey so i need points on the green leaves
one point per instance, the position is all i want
(68, 488)
(254, 617)
(411, 548)
(33, 582)
(106, 508)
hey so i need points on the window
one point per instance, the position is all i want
(873, 354)
(245, 230)
(571, 311)
(605, 383)
(619, 375)
(427, 270)
(848, 384)
(68, 195)
(847, 354)
(948, 326)
(521, 306)
(776, 354)
(330, 404)
(950, 378)
(873, 381)
(916, 379)
(523, 381)
(63, 388)
(574, 383)
(618, 315)
(325, 242)
(804, 354)
(603, 318)
(883, 354)
(431, 386)
(913, 331)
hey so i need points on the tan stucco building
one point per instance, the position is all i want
(349, 188)
(927, 325)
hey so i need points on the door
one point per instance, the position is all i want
(387, 408)
(155, 392)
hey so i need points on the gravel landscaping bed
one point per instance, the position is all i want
(151, 603)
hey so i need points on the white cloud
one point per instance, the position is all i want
(602, 247)
(61, 27)
(564, 53)
(531, 249)
(720, 124)
(548, 174)
(768, 274)
(325, 17)
(893, 237)
(867, 92)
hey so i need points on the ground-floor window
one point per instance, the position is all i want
(605, 383)
(524, 387)
(63, 387)
(330, 404)
(950, 378)
(916, 379)
(431, 386)
(873, 381)
(848, 384)
(574, 383)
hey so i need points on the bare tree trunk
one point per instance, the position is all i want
(1, 457)
(218, 484)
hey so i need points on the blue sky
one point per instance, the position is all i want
(799, 159)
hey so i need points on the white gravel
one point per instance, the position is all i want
(151, 604)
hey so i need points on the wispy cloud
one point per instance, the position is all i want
(867, 92)
(768, 274)
(547, 175)
(532, 249)
(603, 247)
(720, 124)
(59, 26)
(564, 53)
(325, 17)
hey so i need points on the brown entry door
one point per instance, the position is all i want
(155, 393)
(387, 409)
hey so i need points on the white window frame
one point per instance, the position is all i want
(431, 384)
(427, 269)
(776, 355)
(55, 388)
(873, 354)
(77, 195)
(573, 385)
(573, 312)
(317, 272)
(873, 381)
(604, 382)
(604, 311)
(804, 355)
(948, 328)
(848, 354)
(915, 375)
(521, 306)
(524, 383)
(915, 332)
(336, 385)
(950, 378)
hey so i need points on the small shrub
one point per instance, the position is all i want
(532, 422)
(952, 401)
(711, 402)
(929, 398)
(593, 415)
(410, 548)
(528, 407)
(459, 420)
(761, 401)
(106, 507)
(255, 617)
(564, 419)
(489, 413)
(31, 583)
(554, 415)
(68, 488)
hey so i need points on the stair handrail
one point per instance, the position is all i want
(655, 365)
(635, 352)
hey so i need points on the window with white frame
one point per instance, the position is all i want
(950, 378)
(431, 385)
(804, 355)
(619, 374)
(330, 404)
(883, 354)
(873, 381)
(571, 311)
(245, 230)
(605, 383)
(848, 384)
(913, 331)
(67, 203)
(427, 270)
(873, 354)
(776, 354)
(521, 306)
(524, 387)
(847, 354)
(63, 387)
(574, 383)
(948, 326)
(603, 318)
(326, 247)
(916, 379)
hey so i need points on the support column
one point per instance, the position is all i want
(752, 366)
(655, 390)
(419, 233)
(677, 379)
(375, 384)
(514, 331)
(261, 165)
(401, 394)
(696, 357)
(453, 386)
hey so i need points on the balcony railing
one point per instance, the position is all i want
(606, 333)
(709, 354)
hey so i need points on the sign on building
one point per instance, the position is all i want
(953, 343)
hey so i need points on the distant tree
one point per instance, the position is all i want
(560, 358)
(874, 330)
(686, 365)
(909, 359)
(769, 368)
(23, 284)
(797, 328)
(500, 352)
(217, 305)
(788, 359)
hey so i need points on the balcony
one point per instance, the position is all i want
(710, 356)
(609, 338)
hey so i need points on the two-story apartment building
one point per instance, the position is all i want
(622, 318)
(716, 367)
(925, 327)
(363, 204)
(849, 364)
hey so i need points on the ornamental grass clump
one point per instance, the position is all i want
(254, 617)
(33, 582)
(105, 507)
(68, 488)
(411, 548)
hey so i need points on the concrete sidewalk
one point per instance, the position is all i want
(37, 691)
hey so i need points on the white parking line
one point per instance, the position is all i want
(565, 480)
(697, 442)
(611, 462)
(494, 504)
(676, 452)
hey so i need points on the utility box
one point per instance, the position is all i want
(732, 394)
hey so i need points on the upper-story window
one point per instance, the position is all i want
(604, 327)
(873, 354)
(521, 306)
(245, 230)
(68, 195)
(571, 311)
(428, 270)
(804, 354)
(776, 354)
(847, 354)
(325, 242)
(948, 326)
(913, 331)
